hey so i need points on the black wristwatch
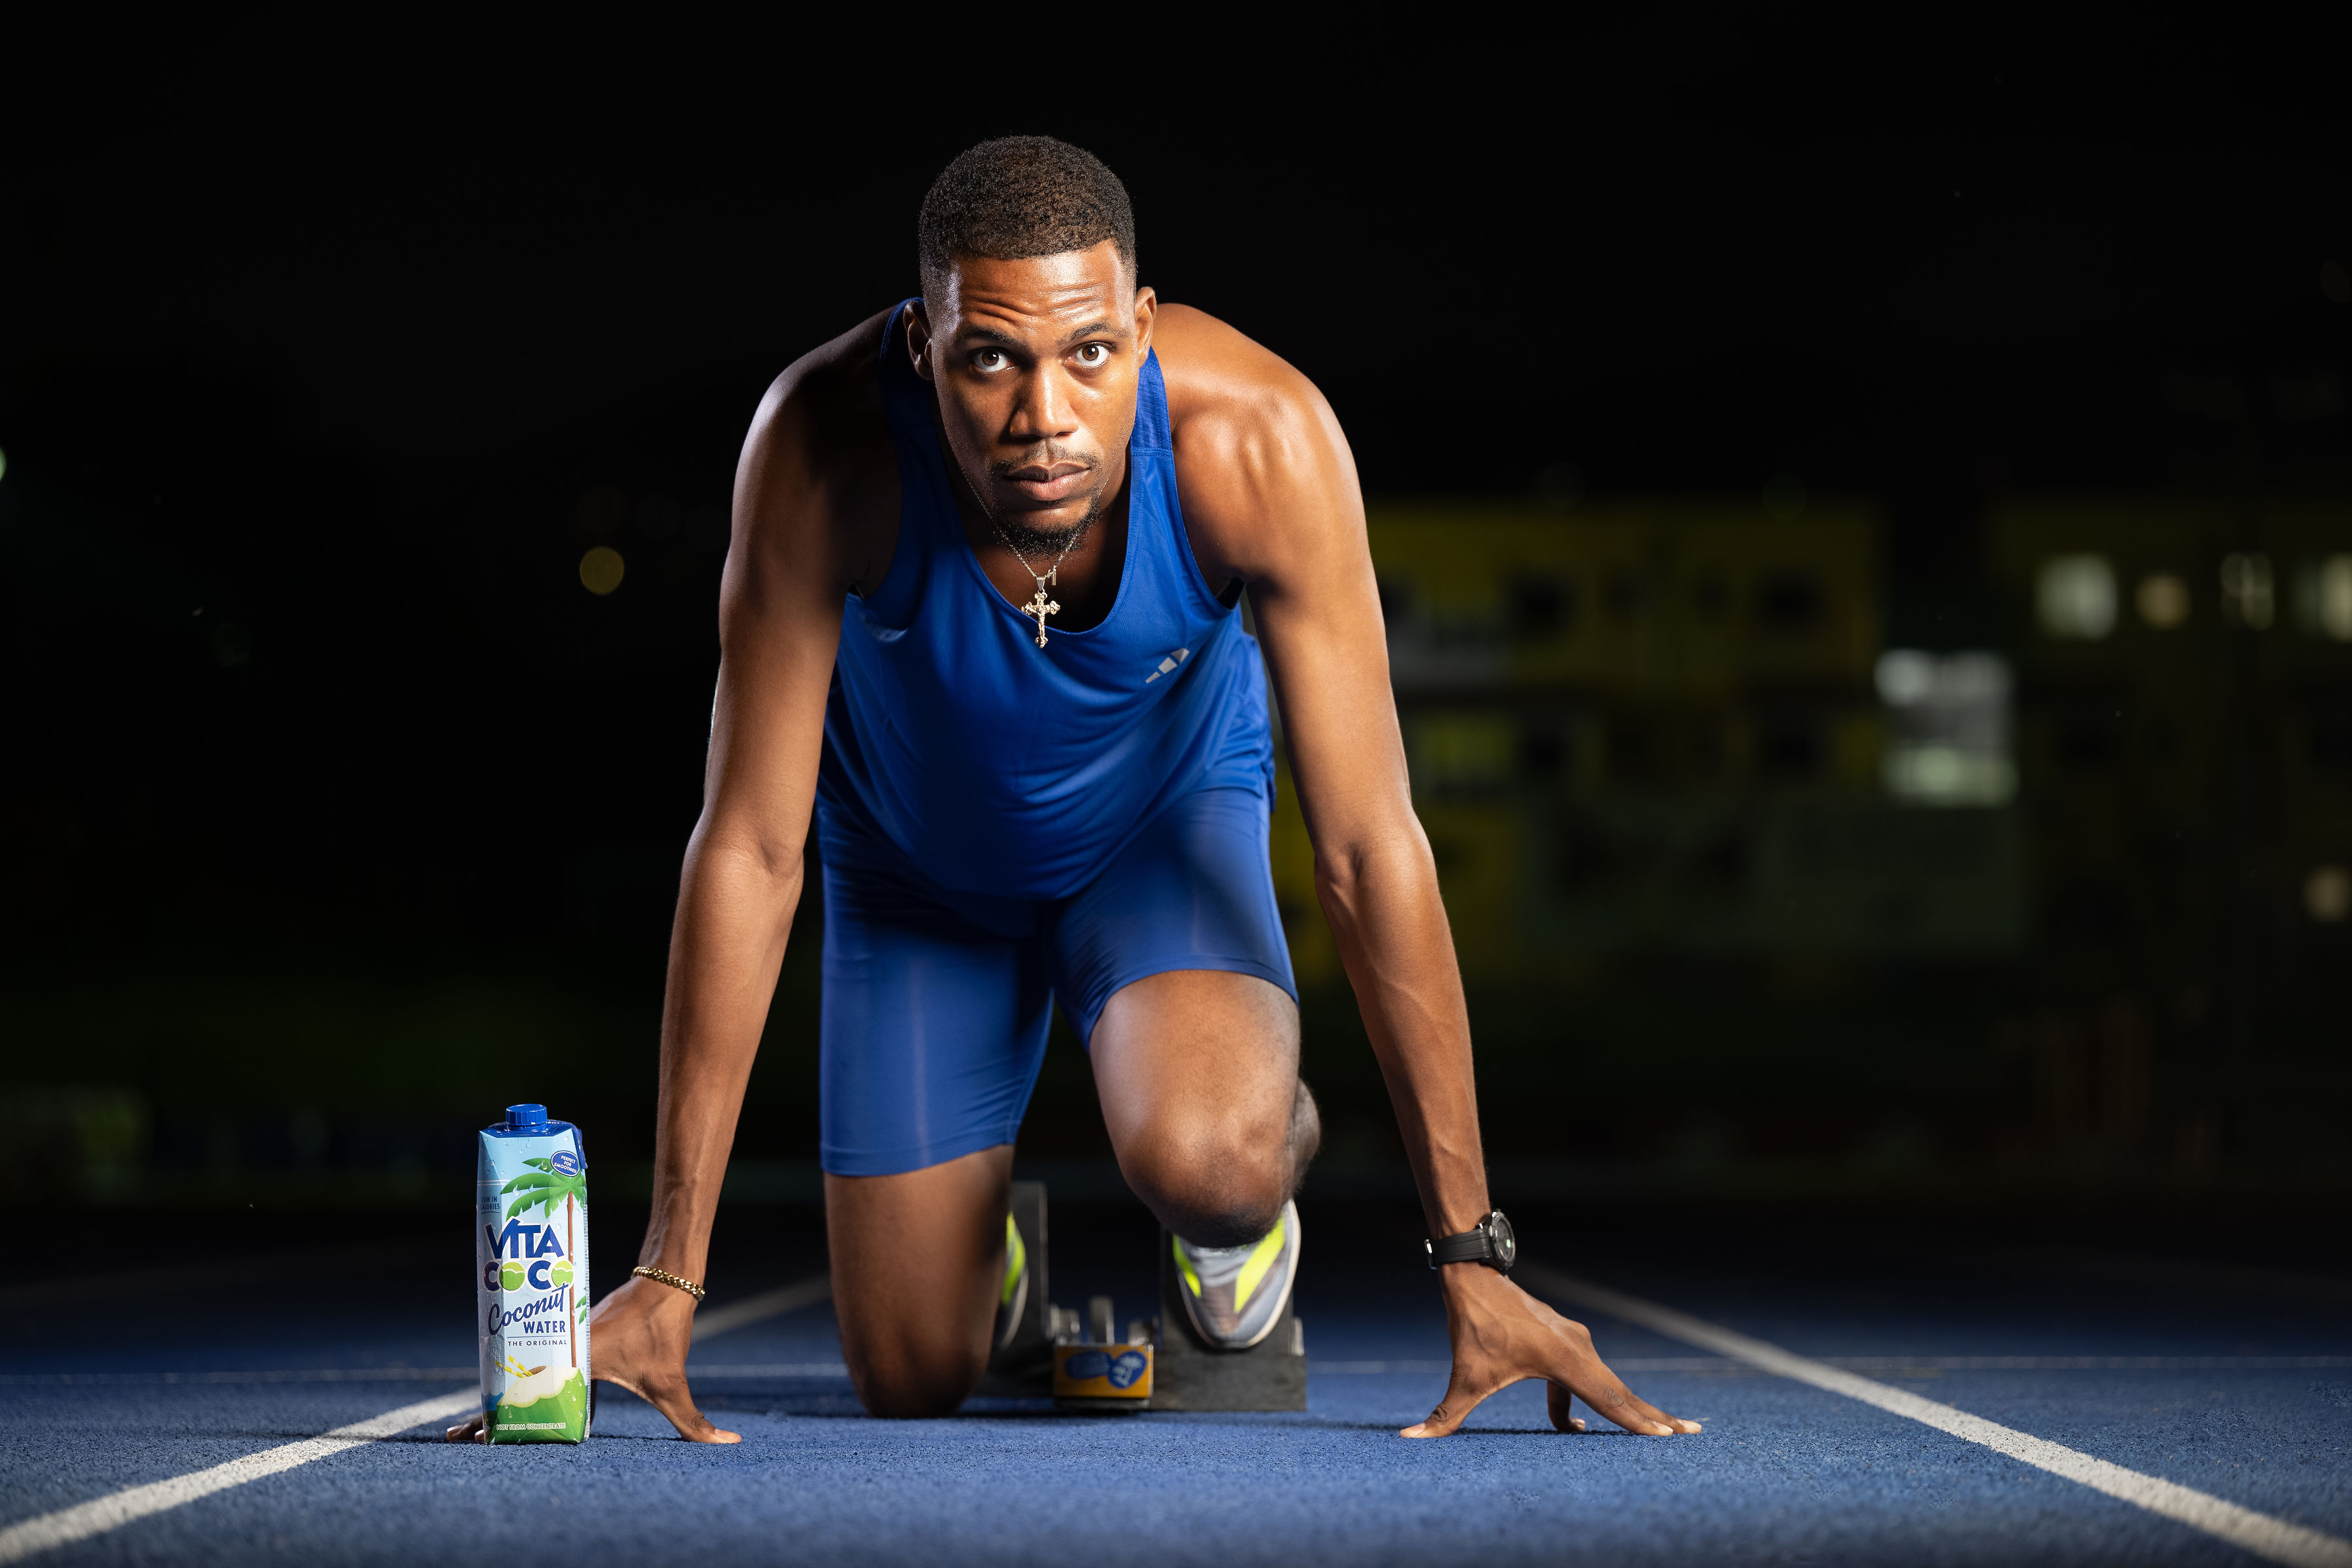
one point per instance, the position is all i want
(1492, 1243)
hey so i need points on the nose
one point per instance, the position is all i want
(1042, 411)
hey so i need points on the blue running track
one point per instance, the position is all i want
(2229, 1377)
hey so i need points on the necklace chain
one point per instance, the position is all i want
(1053, 574)
(1039, 607)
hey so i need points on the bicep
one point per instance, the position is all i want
(779, 627)
(1319, 618)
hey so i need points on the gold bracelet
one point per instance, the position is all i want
(666, 1278)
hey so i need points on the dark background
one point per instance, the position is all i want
(338, 814)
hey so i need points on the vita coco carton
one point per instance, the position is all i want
(531, 1254)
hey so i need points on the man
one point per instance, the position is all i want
(979, 620)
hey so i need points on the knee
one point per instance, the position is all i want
(1216, 1177)
(913, 1376)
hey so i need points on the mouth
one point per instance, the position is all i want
(1045, 484)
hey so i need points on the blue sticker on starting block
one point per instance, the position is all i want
(1126, 1369)
(1087, 1365)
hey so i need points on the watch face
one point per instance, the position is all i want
(1505, 1240)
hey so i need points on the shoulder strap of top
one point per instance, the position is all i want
(1151, 409)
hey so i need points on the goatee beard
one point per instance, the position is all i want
(1029, 541)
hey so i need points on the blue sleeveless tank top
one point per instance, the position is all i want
(1001, 767)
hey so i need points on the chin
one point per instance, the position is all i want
(1049, 528)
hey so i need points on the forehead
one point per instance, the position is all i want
(1038, 293)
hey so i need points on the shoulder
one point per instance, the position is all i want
(818, 471)
(1259, 453)
(829, 401)
(1223, 385)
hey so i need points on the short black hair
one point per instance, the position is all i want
(1020, 196)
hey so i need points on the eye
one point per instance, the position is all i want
(989, 361)
(1094, 356)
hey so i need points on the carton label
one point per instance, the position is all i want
(531, 1254)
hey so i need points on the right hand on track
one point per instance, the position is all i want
(638, 1336)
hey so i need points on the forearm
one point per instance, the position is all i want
(735, 912)
(1381, 896)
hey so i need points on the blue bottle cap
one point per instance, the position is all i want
(526, 1118)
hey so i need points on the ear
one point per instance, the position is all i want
(918, 340)
(1147, 312)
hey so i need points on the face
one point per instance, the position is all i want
(1036, 363)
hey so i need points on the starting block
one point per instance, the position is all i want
(1159, 1364)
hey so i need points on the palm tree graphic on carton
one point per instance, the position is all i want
(543, 1187)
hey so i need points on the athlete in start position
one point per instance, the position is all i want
(978, 618)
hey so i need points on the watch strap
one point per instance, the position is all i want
(1470, 1247)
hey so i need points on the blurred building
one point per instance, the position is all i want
(2185, 741)
(2052, 870)
(1661, 725)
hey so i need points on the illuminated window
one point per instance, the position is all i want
(2163, 601)
(1947, 728)
(2327, 893)
(2323, 597)
(2074, 596)
(2246, 597)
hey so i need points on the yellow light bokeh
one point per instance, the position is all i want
(2163, 601)
(602, 569)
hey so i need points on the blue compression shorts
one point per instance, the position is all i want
(937, 1003)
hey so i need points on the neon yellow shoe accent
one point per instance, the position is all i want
(1253, 1272)
(1184, 1266)
(1016, 1258)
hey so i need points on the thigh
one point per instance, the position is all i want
(1194, 892)
(1174, 966)
(932, 1026)
(918, 1258)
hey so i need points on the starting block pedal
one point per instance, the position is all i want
(1102, 1373)
(1192, 1375)
(1160, 1364)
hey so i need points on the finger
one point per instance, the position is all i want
(1460, 1398)
(676, 1402)
(1651, 1412)
(469, 1430)
(1611, 1400)
(1583, 1371)
(1557, 1403)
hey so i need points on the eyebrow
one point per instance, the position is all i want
(972, 332)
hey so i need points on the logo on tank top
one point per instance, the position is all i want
(1170, 662)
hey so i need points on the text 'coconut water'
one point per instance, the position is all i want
(530, 1253)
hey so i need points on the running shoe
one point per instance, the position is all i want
(1233, 1294)
(1014, 1297)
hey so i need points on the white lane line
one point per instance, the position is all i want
(97, 1517)
(758, 1308)
(2259, 1534)
(774, 1369)
(18, 1541)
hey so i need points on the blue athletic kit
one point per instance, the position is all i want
(1002, 824)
